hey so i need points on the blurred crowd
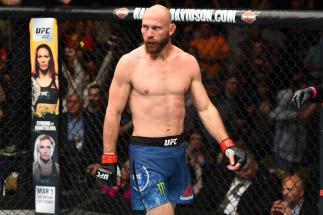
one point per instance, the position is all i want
(250, 74)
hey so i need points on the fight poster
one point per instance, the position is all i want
(45, 111)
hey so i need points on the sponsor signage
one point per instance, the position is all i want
(121, 12)
(195, 15)
(42, 30)
(248, 16)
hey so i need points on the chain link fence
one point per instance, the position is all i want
(250, 74)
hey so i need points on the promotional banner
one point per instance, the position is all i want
(45, 110)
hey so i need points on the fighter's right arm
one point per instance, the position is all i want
(118, 97)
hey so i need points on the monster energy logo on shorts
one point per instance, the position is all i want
(161, 187)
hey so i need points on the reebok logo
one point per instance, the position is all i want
(170, 142)
(187, 194)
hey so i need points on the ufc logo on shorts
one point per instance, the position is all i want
(170, 142)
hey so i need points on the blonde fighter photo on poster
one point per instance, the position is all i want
(45, 169)
(44, 82)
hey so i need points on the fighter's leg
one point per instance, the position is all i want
(164, 209)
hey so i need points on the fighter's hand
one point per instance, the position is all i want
(93, 168)
(302, 97)
(107, 173)
(236, 156)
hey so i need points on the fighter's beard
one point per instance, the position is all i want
(159, 46)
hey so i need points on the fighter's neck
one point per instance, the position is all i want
(164, 53)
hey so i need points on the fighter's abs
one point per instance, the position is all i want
(157, 97)
(160, 115)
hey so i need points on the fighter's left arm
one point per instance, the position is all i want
(212, 120)
(208, 113)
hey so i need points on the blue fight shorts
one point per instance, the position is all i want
(158, 172)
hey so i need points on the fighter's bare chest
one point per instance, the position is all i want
(161, 80)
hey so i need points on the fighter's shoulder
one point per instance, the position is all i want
(127, 59)
(185, 56)
(188, 61)
(131, 57)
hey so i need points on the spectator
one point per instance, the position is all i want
(259, 137)
(5, 155)
(64, 2)
(237, 35)
(93, 117)
(73, 160)
(103, 75)
(260, 65)
(73, 69)
(200, 159)
(125, 132)
(89, 62)
(45, 169)
(35, 2)
(294, 201)
(18, 118)
(196, 157)
(87, 37)
(4, 73)
(212, 49)
(166, 3)
(125, 180)
(312, 62)
(2, 96)
(188, 32)
(81, 139)
(290, 133)
(299, 4)
(3, 128)
(228, 103)
(11, 2)
(260, 4)
(75, 120)
(123, 184)
(96, 103)
(275, 37)
(233, 4)
(249, 190)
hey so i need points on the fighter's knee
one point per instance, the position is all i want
(164, 209)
